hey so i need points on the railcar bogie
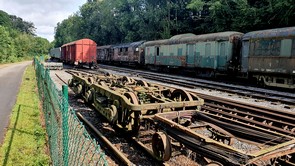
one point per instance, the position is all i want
(124, 101)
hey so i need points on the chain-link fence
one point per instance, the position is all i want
(69, 142)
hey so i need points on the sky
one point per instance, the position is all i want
(45, 14)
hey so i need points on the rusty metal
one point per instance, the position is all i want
(220, 151)
(215, 131)
(161, 146)
(124, 101)
(117, 152)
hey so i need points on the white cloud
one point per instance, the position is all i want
(43, 13)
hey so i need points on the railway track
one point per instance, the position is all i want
(259, 125)
(120, 152)
(259, 93)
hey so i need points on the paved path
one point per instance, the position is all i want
(10, 80)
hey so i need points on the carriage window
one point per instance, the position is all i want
(276, 47)
(258, 48)
(208, 49)
(126, 49)
(266, 48)
(121, 49)
(157, 51)
(286, 46)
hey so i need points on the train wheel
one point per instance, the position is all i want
(70, 82)
(114, 114)
(89, 96)
(142, 83)
(79, 89)
(135, 116)
(132, 98)
(213, 163)
(126, 80)
(161, 146)
(181, 95)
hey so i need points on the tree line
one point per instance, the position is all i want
(118, 21)
(18, 40)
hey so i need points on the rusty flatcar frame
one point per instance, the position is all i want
(215, 149)
(118, 98)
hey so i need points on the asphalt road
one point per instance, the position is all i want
(10, 80)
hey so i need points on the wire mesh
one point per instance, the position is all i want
(69, 142)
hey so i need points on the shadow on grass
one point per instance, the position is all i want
(12, 135)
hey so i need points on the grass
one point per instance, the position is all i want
(25, 140)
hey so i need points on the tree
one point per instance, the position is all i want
(6, 45)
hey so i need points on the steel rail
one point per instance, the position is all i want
(117, 152)
(272, 96)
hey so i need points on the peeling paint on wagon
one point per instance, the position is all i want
(127, 53)
(210, 51)
(269, 56)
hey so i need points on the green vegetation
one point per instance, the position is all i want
(117, 21)
(25, 141)
(18, 41)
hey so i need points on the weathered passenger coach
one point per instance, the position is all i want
(79, 52)
(269, 56)
(104, 54)
(55, 53)
(205, 54)
(127, 53)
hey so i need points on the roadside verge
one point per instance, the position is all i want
(25, 140)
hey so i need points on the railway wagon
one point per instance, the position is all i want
(205, 54)
(55, 53)
(80, 52)
(104, 54)
(269, 56)
(127, 54)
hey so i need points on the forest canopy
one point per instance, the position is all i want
(18, 40)
(118, 21)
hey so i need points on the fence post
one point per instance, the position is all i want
(65, 124)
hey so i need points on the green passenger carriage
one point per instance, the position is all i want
(205, 54)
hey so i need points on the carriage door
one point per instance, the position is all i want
(190, 56)
(245, 55)
(157, 54)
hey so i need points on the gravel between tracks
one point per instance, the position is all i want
(132, 152)
(235, 97)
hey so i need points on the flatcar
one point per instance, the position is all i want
(80, 52)
(269, 56)
(204, 54)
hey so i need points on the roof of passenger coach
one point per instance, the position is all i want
(279, 32)
(81, 41)
(103, 47)
(133, 45)
(189, 38)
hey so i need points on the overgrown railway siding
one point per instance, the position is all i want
(240, 123)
